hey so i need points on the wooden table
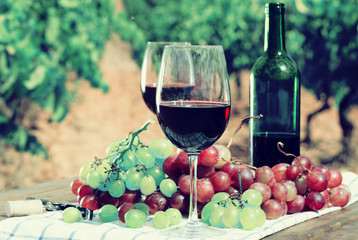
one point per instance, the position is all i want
(342, 224)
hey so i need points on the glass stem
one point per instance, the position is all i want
(193, 211)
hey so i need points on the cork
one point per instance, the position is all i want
(23, 207)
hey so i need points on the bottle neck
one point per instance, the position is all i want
(275, 33)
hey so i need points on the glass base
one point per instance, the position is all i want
(193, 231)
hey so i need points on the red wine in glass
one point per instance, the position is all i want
(193, 124)
(194, 117)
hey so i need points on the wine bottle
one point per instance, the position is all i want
(274, 93)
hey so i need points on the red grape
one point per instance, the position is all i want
(296, 205)
(284, 208)
(170, 166)
(247, 178)
(123, 209)
(263, 188)
(183, 162)
(317, 181)
(229, 168)
(232, 191)
(347, 189)
(279, 191)
(279, 171)
(323, 169)
(90, 202)
(156, 202)
(272, 208)
(129, 196)
(315, 201)
(180, 201)
(221, 181)
(291, 190)
(335, 179)
(104, 198)
(204, 171)
(301, 184)
(303, 162)
(209, 157)
(205, 190)
(325, 194)
(184, 184)
(339, 197)
(85, 190)
(292, 172)
(264, 174)
(75, 184)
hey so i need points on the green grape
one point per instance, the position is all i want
(220, 196)
(134, 178)
(143, 207)
(157, 173)
(104, 186)
(145, 157)
(160, 220)
(174, 216)
(135, 218)
(206, 211)
(94, 179)
(103, 168)
(116, 146)
(116, 188)
(147, 185)
(253, 197)
(84, 170)
(216, 216)
(122, 175)
(261, 216)
(168, 187)
(108, 213)
(128, 160)
(71, 215)
(231, 216)
(248, 218)
(161, 149)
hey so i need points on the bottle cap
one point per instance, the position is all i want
(23, 207)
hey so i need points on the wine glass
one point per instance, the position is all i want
(150, 70)
(195, 116)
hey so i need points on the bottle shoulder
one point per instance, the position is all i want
(278, 67)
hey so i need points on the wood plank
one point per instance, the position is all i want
(318, 227)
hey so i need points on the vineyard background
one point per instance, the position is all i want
(96, 119)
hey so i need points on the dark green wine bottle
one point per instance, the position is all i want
(274, 93)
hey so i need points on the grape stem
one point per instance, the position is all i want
(132, 136)
(280, 145)
(236, 161)
(243, 121)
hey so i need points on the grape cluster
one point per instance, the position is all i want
(242, 211)
(288, 189)
(135, 180)
(118, 184)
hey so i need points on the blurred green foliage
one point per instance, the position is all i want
(40, 43)
(321, 36)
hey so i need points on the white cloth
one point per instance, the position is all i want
(50, 226)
